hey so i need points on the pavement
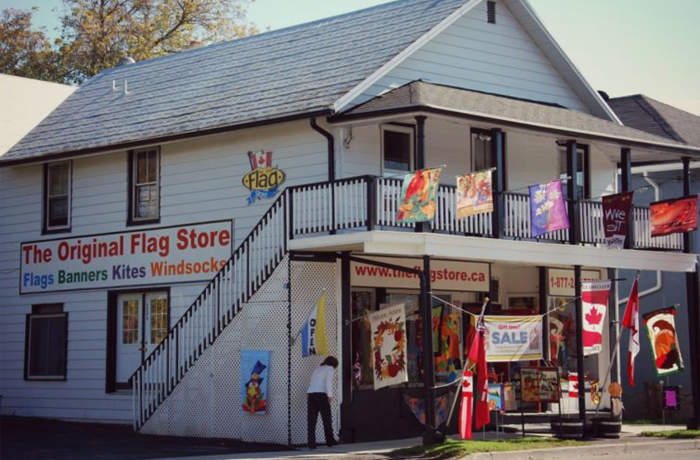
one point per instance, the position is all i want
(43, 439)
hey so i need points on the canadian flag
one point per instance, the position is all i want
(594, 300)
(573, 384)
(260, 159)
(465, 412)
(631, 322)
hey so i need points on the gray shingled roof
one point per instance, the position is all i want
(272, 75)
(642, 112)
(419, 94)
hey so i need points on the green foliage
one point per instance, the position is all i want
(673, 434)
(96, 34)
(455, 449)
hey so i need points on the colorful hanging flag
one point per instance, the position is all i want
(313, 335)
(474, 194)
(661, 329)
(465, 411)
(594, 299)
(674, 216)
(254, 369)
(631, 322)
(477, 356)
(616, 215)
(418, 196)
(573, 384)
(417, 406)
(389, 346)
(547, 208)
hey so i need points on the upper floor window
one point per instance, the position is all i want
(144, 186)
(397, 149)
(46, 343)
(57, 196)
(582, 170)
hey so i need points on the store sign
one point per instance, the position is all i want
(513, 338)
(561, 281)
(263, 180)
(154, 256)
(445, 275)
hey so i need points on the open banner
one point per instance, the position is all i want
(513, 338)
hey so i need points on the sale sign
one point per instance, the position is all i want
(163, 255)
(594, 299)
(513, 338)
(616, 215)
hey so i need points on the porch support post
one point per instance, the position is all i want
(430, 436)
(573, 192)
(614, 322)
(546, 348)
(626, 183)
(347, 426)
(498, 182)
(579, 346)
(420, 160)
(693, 303)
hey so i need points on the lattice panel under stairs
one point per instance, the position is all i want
(207, 402)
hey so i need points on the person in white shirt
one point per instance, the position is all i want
(320, 395)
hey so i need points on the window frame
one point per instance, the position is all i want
(38, 314)
(403, 129)
(586, 168)
(131, 191)
(46, 209)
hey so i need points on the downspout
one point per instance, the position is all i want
(331, 148)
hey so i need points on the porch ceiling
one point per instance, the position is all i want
(495, 250)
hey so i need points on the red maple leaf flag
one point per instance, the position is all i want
(465, 413)
(594, 299)
(631, 322)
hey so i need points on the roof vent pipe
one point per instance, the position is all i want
(126, 60)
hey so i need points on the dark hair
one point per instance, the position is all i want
(330, 361)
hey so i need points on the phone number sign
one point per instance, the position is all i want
(561, 281)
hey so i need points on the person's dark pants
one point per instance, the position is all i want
(318, 402)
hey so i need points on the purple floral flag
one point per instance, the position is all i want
(547, 208)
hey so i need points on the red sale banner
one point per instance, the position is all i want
(465, 412)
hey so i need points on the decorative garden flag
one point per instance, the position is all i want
(465, 411)
(616, 215)
(631, 322)
(594, 298)
(573, 384)
(661, 329)
(547, 208)
(474, 194)
(254, 370)
(418, 196)
(313, 335)
(389, 346)
(674, 216)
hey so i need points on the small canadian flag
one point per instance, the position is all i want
(573, 384)
(260, 159)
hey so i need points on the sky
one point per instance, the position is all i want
(622, 47)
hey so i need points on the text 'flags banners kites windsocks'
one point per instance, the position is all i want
(594, 299)
(513, 338)
(418, 196)
(389, 346)
(465, 411)
(547, 208)
(674, 216)
(631, 322)
(313, 335)
(255, 365)
(573, 384)
(616, 215)
(661, 329)
(477, 355)
(474, 194)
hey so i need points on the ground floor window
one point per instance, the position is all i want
(46, 343)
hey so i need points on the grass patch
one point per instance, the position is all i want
(454, 448)
(673, 434)
(651, 421)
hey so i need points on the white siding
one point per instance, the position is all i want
(201, 180)
(496, 58)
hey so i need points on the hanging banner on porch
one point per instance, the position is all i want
(255, 365)
(389, 346)
(539, 384)
(674, 216)
(661, 329)
(465, 411)
(547, 208)
(513, 338)
(594, 299)
(616, 215)
(313, 334)
(418, 196)
(474, 194)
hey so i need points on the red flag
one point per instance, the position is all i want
(477, 354)
(631, 322)
(573, 384)
(465, 412)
